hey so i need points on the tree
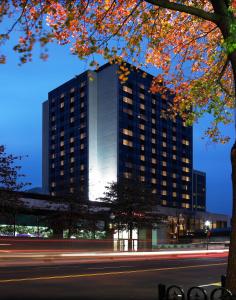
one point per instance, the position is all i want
(10, 184)
(131, 206)
(191, 42)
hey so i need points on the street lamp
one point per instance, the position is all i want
(207, 231)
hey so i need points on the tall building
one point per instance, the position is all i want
(199, 190)
(97, 130)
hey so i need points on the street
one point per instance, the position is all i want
(110, 278)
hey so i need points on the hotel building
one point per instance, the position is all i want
(97, 129)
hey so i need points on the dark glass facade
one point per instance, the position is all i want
(199, 190)
(68, 144)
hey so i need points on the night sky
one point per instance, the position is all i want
(24, 88)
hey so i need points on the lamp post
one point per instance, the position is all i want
(207, 230)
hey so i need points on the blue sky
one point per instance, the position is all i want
(22, 91)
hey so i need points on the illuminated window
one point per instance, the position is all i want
(72, 159)
(174, 185)
(185, 178)
(72, 99)
(72, 149)
(164, 182)
(53, 166)
(174, 157)
(153, 121)
(154, 191)
(82, 95)
(164, 134)
(164, 173)
(71, 170)
(174, 194)
(62, 133)
(142, 168)
(142, 147)
(72, 190)
(82, 146)
(186, 196)
(164, 163)
(164, 202)
(62, 162)
(53, 137)
(82, 104)
(154, 161)
(82, 135)
(128, 111)
(127, 132)
(153, 111)
(82, 115)
(174, 148)
(127, 89)
(53, 118)
(142, 157)
(141, 96)
(62, 104)
(164, 192)
(153, 171)
(72, 109)
(127, 175)
(153, 130)
(154, 180)
(82, 167)
(164, 154)
(72, 180)
(127, 100)
(164, 144)
(62, 152)
(72, 139)
(174, 138)
(153, 150)
(83, 83)
(153, 141)
(62, 143)
(53, 184)
(53, 146)
(127, 143)
(142, 126)
(141, 86)
(185, 142)
(142, 106)
(142, 137)
(185, 160)
(185, 205)
(185, 169)
(142, 178)
(62, 173)
(153, 101)
(174, 175)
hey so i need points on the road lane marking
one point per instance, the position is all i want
(210, 284)
(106, 273)
(115, 267)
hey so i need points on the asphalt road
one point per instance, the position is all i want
(114, 279)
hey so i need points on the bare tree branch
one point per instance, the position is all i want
(213, 17)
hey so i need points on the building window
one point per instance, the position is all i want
(62, 143)
(185, 142)
(185, 169)
(164, 193)
(142, 157)
(164, 202)
(142, 126)
(164, 182)
(153, 121)
(141, 96)
(164, 144)
(72, 159)
(142, 178)
(72, 109)
(174, 194)
(127, 89)
(72, 150)
(62, 152)
(72, 99)
(185, 178)
(153, 171)
(142, 106)
(154, 180)
(62, 104)
(153, 141)
(127, 100)
(127, 143)
(72, 139)
(154, 161)
(153, 151)
(128, 111)
(164, 154)
(82, 135)
(127, 132)
(142, 137)
(164, 173)
(142, 168)
(185, 160)
(82, 167)
(62, 162)
(127, 175)
(164, 163)
(164, 134)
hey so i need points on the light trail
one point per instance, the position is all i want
(60, 277)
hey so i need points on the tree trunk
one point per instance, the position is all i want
(231, 270)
